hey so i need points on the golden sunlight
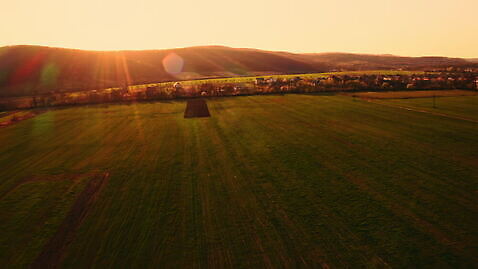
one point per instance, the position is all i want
(408, 27)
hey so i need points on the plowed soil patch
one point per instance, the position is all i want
(196, 108)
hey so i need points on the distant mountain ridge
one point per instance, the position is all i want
(26, 70)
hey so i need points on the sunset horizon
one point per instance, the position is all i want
(240, 48)
(408, 28)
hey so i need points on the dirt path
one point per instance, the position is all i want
(21, 118)
(52, 252)
(423, 111)
(7, 113)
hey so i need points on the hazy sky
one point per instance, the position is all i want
(403, 27)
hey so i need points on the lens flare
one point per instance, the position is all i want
(173, 64)
(49, 74)
(28, 68)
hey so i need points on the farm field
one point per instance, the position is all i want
(458, 106)
(414, 94)
(249, 79)
(266, 181)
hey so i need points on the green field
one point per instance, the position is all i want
(267, 181)
(466, 107)
(249, 79)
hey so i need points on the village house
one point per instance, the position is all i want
(177, 85)
(260, 81)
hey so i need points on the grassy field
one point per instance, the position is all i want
(266, 181)
(414, 94)
(465, 107)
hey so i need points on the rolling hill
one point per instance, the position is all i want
(27, 70)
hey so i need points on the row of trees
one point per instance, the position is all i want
(260, 86)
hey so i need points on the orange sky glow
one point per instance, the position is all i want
(405, 27)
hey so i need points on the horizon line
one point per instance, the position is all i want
(230, 47)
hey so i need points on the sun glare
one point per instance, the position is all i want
(173, 64)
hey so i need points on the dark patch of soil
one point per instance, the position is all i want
(196, 108)
(52, 252)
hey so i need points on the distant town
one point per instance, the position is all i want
(437, 79)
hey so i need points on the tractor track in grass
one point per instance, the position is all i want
(277, 216)
(52, 252)
(460, 248)
(424, 226)
(39, 178)
(423, 111)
